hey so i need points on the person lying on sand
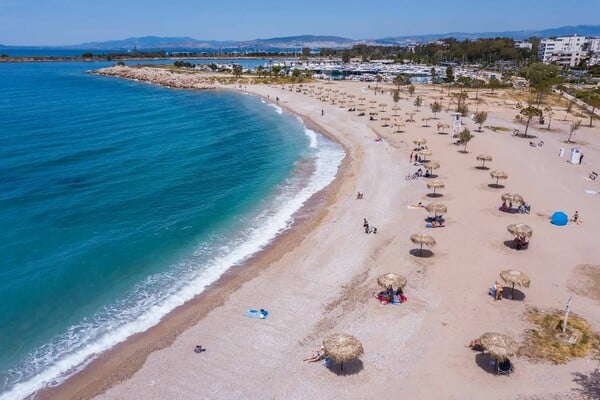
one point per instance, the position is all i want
(199, 349)
(475, 343)
(317, 356)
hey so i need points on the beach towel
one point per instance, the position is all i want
(588, 191)
(252, 313)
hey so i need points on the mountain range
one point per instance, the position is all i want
(316, 42)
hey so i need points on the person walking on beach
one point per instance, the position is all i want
(322, 112)
(411, 156)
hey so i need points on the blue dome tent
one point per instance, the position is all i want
(559, 218)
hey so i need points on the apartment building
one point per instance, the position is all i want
(569, 50)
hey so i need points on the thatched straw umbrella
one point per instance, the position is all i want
(341, 347)
(436, 208)
(422, 239)
(391, 280)
(517, 198)
(515, 278)
(431, 165)
(520, 231)
(483, 158)
(498, 175)
(420, 141)
(436, 184)
(498, 345)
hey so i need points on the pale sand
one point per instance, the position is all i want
(322, 279)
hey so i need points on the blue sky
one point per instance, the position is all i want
(60, 22)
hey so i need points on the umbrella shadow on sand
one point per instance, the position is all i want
(482, 167)
(483, 360)
(496, 185)
(352, 367)
(421, 253)
(434, 195)
(517, 295)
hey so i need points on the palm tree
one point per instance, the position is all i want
(418, 102)
(530, 112)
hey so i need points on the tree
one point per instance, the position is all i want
(276, 69)
(574, 127)
(541, 78)
(530, 112)
(260, 70)
(237, 70)
(568, 109)
(594, 101)
(306, 51)
(550, 114)
(435, 108)
(494, 84)
(378, 78)
(465, 137)
(418, 102)
(449, 74)
(296, 73)
(411, 89)
(480, 118)
(346, 56)
(433, 73)
(398, 80)
(396, 96)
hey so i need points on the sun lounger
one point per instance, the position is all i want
(504, 367)
(434, 225)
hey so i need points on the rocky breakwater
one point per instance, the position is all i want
(160, 76)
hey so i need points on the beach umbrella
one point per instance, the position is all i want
(436, 184)
(517, 198)
(498, 175)
(341, 348)
(431, 165)
(420, 141)
(422, 239)
(514, 277)
(391, 280)
(499, 346)
(483, 158)
(507, 197)
(436, 208)
(520, 231)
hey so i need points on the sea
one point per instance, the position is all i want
(120, 201)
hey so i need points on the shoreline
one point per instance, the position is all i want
(127, 357)
(323, 280)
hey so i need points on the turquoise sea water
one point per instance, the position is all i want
(121, 200)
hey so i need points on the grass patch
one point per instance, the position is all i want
(498, 128)
(545, 342)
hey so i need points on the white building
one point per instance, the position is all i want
(523, 44)
(567, 50)
(592, 47)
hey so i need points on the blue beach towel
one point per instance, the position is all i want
(252, 313)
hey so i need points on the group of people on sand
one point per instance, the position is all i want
(359, 195)
(368, 228)
(524, 208)
(391, 296)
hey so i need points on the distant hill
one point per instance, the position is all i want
(581, 30)
(312, 41)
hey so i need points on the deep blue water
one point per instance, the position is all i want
(121, 200)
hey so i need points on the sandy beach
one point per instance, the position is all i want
(320, 277)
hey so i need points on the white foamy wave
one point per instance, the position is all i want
(161, 293)
(312, 135)
(277, 108)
